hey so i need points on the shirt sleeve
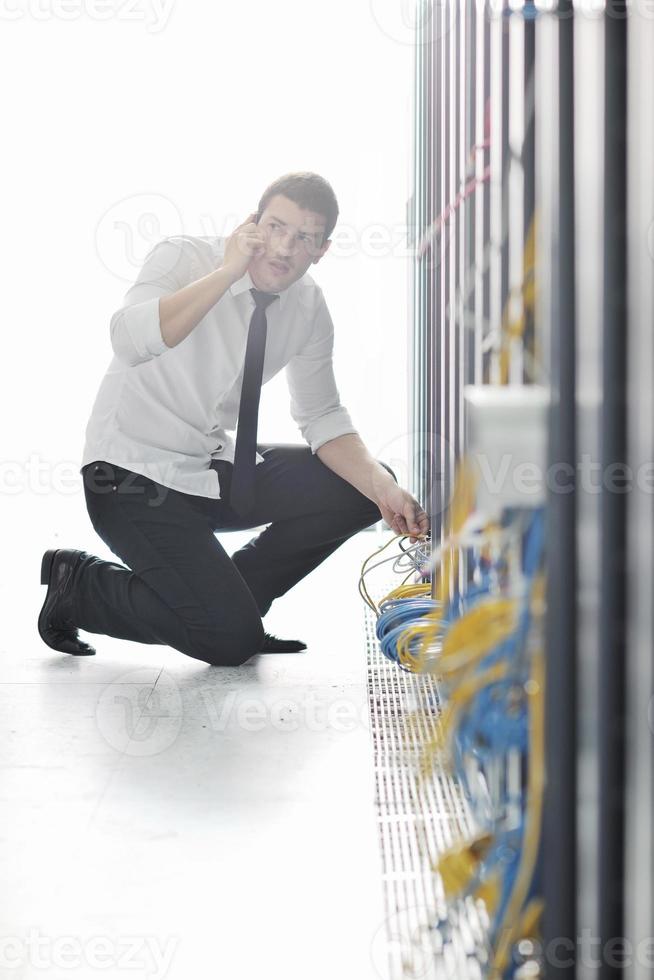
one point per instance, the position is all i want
(315, 401)
(135, 328)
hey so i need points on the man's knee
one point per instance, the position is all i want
(229, 648)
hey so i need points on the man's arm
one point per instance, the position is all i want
(327, 427)
(181, 312)
(350, 459)
(348, 456)
(166, 302)
(315, 401)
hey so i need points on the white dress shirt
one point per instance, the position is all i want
(165, 412)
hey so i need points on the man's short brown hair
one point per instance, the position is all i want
(307, 190)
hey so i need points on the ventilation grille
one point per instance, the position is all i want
(422, 936)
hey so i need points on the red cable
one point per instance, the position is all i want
(444, 216)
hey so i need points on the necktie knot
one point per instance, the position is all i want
(263, 299)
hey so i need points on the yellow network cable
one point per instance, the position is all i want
(459, 865)
(490, 891)
(513, 329)
(463, 503)
(473, 636)
(403, 590)
(430, 740)
(408, 592)
(429, 629)
(529, 925)
(362, 586)
(477, 634)
(467, 639)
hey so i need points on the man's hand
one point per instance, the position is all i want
(402, 512)
(347, 456)
(245, 242)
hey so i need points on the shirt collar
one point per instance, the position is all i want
(245, 283)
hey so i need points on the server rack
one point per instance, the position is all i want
(532, 216)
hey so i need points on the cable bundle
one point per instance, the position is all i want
(483, 641)
(491, 735)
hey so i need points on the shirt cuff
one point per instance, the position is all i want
(330, 426)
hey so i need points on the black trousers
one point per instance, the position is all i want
(180, 587)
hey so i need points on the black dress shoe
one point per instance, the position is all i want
(56, 627)
(272, 644)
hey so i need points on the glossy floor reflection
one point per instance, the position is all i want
(162, 818)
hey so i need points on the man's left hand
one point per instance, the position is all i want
(402, 512)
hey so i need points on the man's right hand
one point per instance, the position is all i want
(244, 243)
(182, 310)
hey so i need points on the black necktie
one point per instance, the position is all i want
(241, 494)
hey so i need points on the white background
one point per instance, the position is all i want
(113, 136)
(125, 123)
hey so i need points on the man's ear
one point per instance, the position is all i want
(323, 249)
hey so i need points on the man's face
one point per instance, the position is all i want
(293, 242)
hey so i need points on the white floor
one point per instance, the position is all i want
(162, 818)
